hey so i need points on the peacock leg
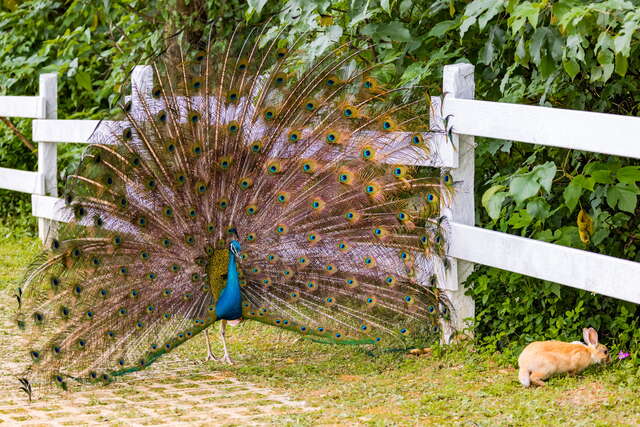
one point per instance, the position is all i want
(210, 355)
(226, 357)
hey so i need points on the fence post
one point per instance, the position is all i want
(48, 152)
(458, 82)
(141, 84)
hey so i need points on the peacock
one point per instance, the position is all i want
(242, 183)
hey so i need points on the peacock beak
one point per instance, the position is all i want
(234, 250)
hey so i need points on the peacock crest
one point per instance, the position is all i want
(235, 185)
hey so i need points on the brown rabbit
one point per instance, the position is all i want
(542, 359)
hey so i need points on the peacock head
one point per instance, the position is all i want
(235, 248)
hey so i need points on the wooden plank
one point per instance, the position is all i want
(50, 208)
(64, 130)
(589, 271)
(81, 130)
(18, 180)
(458, 82)
(579, 130)
(48, 152)
(22, 106)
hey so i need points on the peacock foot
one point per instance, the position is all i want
(211, 357)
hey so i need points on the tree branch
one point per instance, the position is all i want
(19, 134)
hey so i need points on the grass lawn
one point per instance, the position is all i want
(359, 385)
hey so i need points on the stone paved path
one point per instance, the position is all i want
(171, 392)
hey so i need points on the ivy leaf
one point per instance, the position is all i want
(257, 5)
(545, 173)
(392, 31)
(405, 6)
(413, 72)
(384, 4)
(520, 219)
(525, 11)
(585, 182)
(622, 41)
(621, 64)
(537, 41)
(622, 196)
(359, 11)
(84, 80)
(527, 185)
(571, 67)
(538, 208)
(547, 66)
(521, 52)
(569, 237)
(492, 200)
(523, 187)
(602, 176)
(441, 28)
(628, 174)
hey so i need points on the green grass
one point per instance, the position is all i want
(362, 385)
(15, 255)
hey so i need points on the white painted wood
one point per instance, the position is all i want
(22, 106)
(141, 84)
(18, 180)
(444, 152)
(589, 271)
(81, 131)
(64, 130)
(48, 152)
(458, 82)
(580, 130)
(49, 208)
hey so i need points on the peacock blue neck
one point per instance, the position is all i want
(229, 305)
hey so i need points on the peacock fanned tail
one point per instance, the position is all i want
(338, 242)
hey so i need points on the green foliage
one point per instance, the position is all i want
(566, 53)
(513, 310)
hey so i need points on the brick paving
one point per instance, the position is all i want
(171, 392)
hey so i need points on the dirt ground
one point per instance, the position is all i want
(172, 392)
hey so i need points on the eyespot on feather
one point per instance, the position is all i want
(269, 113)
(232, 96)
(294, 135)
(368, 153)
(309, 165)
(274, 167)
(352, 216)
(399, 171)
(280, 79)
(282, 197)
(317, 204)
(345, 176)
(309, 105)
(388, 124)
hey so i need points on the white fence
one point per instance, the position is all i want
(595, 132)
(44, 181)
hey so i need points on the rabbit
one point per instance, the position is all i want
(542, 359)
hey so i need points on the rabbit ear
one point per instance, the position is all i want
(593, 337)
(585, 336)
